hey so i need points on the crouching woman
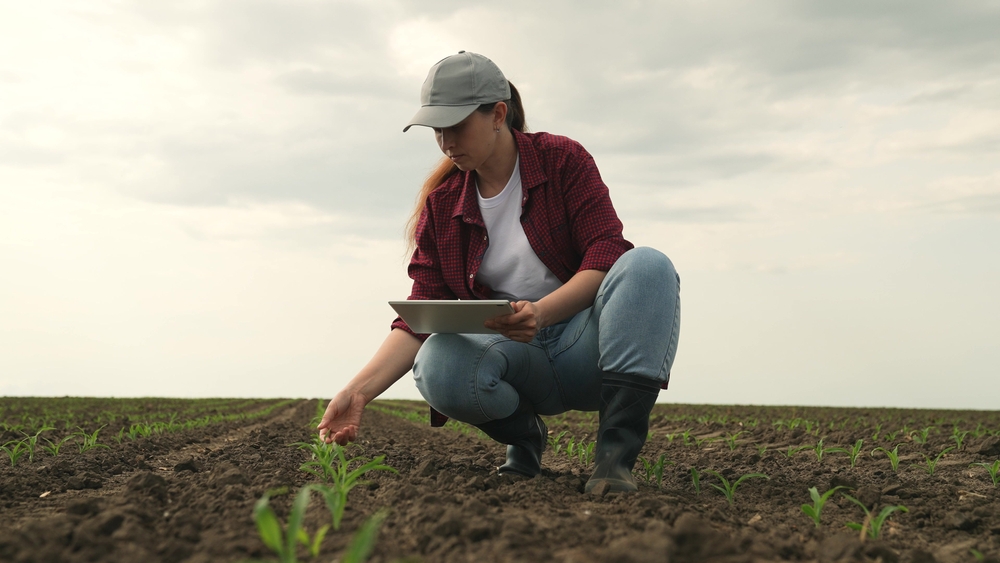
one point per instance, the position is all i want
(524, 217)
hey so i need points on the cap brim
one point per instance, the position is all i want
(440, 117)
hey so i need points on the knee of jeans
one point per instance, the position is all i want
(433, 364)
(459, 381)
(648, 265)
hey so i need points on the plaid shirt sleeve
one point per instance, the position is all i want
(594, 224)
(425, 270)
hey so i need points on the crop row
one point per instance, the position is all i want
(31, 445)
(29, 415)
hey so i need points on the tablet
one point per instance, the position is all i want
(451, 316)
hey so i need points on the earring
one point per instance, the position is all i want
(497, 129)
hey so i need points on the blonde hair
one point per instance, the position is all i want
(446, 168)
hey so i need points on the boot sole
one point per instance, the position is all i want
(612, 486)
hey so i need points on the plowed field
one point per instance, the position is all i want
(188, 494)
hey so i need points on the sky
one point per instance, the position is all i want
(207, 198)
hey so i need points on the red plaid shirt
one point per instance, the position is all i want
(566, 214)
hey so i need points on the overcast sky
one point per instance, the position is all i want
(207, 198)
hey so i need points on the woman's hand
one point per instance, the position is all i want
(520, 326)
(342, 418)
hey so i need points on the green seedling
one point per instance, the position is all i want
(363, 542)
(88, 441)
(585, 453)
(931, 464)
(872, 524)
(891, 437)
(959, 437)
(696, 481)
(15, 450)
(571, 447)
(285, 542)
(821, 451)
(920, 436)
(730, 490)
(761, 449)
(854, 452)
(979, 431)
(686, 436)
(655, 470)
(893, 456)
(555, 441)
(342, 479)
(31, 442)
(53, 448)
(792, 450)
(813, 511)
(731, 440)
(993, 469)
(878, 428)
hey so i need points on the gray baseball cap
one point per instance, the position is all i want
(455, 87)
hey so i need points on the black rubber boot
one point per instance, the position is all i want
(525, 435)
(626, 401)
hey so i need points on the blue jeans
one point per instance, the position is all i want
(632, 328)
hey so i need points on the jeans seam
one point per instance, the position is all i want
(475, 374)
(671, 343)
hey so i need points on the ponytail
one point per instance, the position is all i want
(445, 168)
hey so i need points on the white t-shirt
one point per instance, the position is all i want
(510, 266)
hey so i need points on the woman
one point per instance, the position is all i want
(524, 217)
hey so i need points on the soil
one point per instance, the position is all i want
(189, 496)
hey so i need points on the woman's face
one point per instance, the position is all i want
(470, 142)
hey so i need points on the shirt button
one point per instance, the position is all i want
(485, 237)
(470, 276)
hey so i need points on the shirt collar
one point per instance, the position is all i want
(532, 175)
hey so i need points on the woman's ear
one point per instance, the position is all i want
(499, 115)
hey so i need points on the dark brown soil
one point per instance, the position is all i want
(189, 496)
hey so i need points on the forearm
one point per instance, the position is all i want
(574, 296)
(391, 362)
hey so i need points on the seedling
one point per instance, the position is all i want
(696, 481)
(585, 453)
(878, 428)
(89, 441)
(761, 448)
(731, 440)
(959, 437)
(932, 463)
(818, 502)
(893, 456)
(336, 470)
(363, 542)
(920, 436)
(554, 441)
(15, 452)
(284, 543)
(53, 448)
(686, 435)
(820, 450)
(792, 450)
(891, 436)
(854, 452)
(872, 524)
(655, 470)
(730, 490)
(993, 470)
(30, 442)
